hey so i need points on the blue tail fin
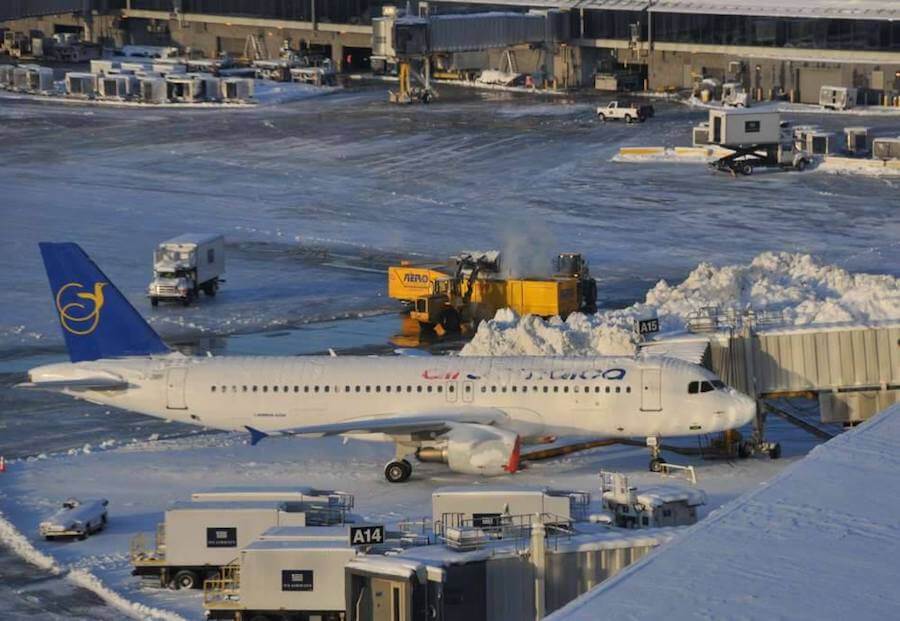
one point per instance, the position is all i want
(97, 321)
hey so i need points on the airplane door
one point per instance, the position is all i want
(452, 389)
(651, 400)
(468, 392)
(175, 378)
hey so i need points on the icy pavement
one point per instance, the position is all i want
(351, 175)
(819, 541)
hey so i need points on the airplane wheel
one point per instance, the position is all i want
(775, 451)
(747, 169)
(656, 464)
(398, 471)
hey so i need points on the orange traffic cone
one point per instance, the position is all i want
(2, 464)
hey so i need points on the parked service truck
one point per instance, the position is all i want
(186, 265)
(627, 112)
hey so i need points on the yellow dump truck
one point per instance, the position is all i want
(448, 295)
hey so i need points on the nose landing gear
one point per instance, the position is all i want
(656, 461)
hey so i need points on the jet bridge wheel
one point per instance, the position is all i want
(656, 464)
(398, 471)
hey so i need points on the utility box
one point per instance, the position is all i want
(837, 97)
(152, 90)
(184, 88)
(700, 135)
(236, 90)
(658, 506)
(82, 85)
(886, 148)
(6, 75)
(819, 143)
(858, 141)
(744, 127)
(485, 506)
(33, 79)
(117, 86)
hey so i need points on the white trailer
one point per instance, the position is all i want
(117, 87)
(886, 148)
(236, 90)
(486, 506)
(281, 579)
(198, 538)
(837, 97)
(186, 265)
(152, 90)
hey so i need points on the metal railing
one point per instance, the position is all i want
(473, 534)
(714, 318)
(139, 551)
(224, 591)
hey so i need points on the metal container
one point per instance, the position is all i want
(742, 127)
(81, 84)
(819, 143)
(212, 533)
(117, 86)
(858, 141)
(886, 148)
(152, 90)
(6, 75)
(236, 89)
(294, 575)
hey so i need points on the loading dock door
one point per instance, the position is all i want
(650, 385)
(175, 388)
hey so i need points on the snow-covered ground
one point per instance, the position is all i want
(140, 478)
(819, 541)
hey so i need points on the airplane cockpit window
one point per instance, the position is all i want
(695, 387)
(719, 384)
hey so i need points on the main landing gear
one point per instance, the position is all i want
(398, 471)
(656, 462)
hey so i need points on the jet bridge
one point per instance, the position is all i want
(411, 42)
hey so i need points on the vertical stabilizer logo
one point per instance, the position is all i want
(79, 311)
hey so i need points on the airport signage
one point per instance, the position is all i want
(296, 579)
(366, 535)
(486, 520)
(648, 326)
(221, 537)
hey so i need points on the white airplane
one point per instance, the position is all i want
(472, 414)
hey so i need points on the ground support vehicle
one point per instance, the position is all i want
(77, 518)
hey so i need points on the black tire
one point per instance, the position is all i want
(154, 301)
(775, 451)
(450, 320)
(746, 169)
(602, 117)
(397, 471)
(186, 301)
(656, 464)
(745, 450)
(210, 288)
(185, 579)
(801, 165)
(628, 119)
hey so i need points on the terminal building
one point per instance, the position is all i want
(776, 49)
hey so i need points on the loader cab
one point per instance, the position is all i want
(571, 264)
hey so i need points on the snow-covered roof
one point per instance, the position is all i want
(193, 238)
(658, 495)
(491, 489)
(843, 9)
(819, 541)
(289, 545)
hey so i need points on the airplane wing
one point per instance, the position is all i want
(78, 385)
(436, 421)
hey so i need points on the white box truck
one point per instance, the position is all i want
(186, 265)
(198, 538)
(837, 97)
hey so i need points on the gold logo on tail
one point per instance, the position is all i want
(76, 316)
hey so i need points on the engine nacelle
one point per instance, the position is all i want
(476, 449)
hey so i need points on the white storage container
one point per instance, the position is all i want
(117, 86)
(744, 127)
(82, 85)
(152, 90)
(236, 89)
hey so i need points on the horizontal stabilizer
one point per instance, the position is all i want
(256, 435)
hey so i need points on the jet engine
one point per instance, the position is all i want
(475, 449)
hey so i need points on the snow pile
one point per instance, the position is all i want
(18, 543)
(796, 285)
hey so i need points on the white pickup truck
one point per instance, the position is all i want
(76, 518)
(627, 112)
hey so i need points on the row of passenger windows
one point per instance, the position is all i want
(419, 389)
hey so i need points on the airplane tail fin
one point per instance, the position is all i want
(96, 319)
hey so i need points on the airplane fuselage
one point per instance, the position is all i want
(598, 396)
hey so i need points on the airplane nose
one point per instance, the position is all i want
(744, 410)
